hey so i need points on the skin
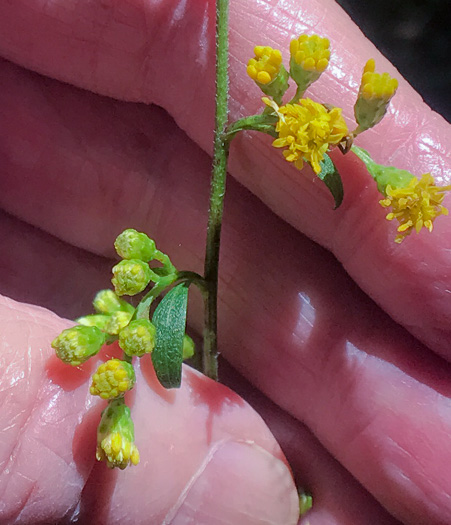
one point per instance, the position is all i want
(359, 405)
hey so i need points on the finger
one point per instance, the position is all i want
(40, 269)
(206, 456)
(135, 51)
(312, 341)
(337, 496)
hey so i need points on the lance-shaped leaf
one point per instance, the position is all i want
(169, 319)
(332, 179)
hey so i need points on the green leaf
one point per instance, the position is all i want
(332, 179)
(265, 123)
(169, 319)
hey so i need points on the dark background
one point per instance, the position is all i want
(415, 36)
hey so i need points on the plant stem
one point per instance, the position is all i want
(299, 92)
(193, 278)
(217, 192)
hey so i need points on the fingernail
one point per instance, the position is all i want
(239, 483)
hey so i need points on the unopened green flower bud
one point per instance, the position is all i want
(98, 320)
(305, 503)
(188, 347)
(116, 436)
(77, 344)
(131, 277)
(309, 58)
(138, 338)
(131, 244)
(112, 379)
(107, 302)
(117, 322)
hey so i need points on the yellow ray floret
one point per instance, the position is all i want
(415, 206)
(265, 67)
(375, 85)
(307, 130)
(310, 52)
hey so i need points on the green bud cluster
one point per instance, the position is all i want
(131, 244)
(107, 302)
(117, 321)
(131, 276)
(77, 344)
(138, 338)
(98, 320)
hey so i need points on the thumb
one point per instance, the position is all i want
(206, 456)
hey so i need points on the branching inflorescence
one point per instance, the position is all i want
(116, 320)
(306, 131)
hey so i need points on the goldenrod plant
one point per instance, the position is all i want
(305, 130)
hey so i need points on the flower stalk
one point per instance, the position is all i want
(217, 192)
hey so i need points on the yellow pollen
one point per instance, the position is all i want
(415, 206)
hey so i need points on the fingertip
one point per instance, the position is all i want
(239, 482)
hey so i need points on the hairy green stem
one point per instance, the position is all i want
(217, 192)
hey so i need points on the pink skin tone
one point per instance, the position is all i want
(373, 396)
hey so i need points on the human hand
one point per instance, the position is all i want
(292, 322)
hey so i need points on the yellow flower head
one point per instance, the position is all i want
(376, 85)
(307, 130)
(376, 91)
(310, 52)
(416, 205)
(265, 67)
(112, 379)
(116, 436)
(117, 451)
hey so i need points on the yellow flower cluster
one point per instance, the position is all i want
(415, 206)
(375, 85)
(265, 67)
(112, 379)
(307, 130)
(117, 450)
(310, 52)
